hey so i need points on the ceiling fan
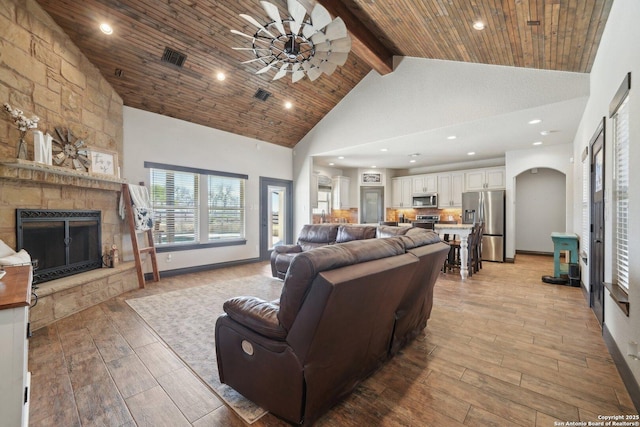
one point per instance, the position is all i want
(305, 42)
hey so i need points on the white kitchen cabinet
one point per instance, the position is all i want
(15, 296)
(484, 179)
(424, 184)
(341, 192)
(401, 189)
(450, 190)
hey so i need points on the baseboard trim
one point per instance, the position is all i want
(519, 251)
(623, 367)
(199, 268)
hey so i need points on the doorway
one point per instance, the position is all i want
(276, 214)
(371, 205)
(596, 258)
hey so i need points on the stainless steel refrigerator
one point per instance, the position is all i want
(488, 207)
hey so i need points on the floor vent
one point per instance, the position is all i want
(173, 57)
(262, 94)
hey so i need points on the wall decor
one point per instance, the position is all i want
(42, 152)
(104, 162)
(69, 151)
(371, 178)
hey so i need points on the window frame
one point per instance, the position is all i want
(203, 208)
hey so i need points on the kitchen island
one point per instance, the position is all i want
(462, 230)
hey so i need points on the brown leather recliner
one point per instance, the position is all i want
(313, 236)
(335, 323)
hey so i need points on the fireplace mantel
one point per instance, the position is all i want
(27, 170)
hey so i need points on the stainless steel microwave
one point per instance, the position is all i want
(425, 200)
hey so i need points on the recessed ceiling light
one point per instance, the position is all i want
(478, 25)
(106, 28)
(535, 121)
(384, 149)
(414, 155)
(537, 143)
(220, 76)
(412, 161)
(545, 132)
(340, 157)
(288, 105)
(373, 167)
(331, 164)
(452, 137)
(471, 153)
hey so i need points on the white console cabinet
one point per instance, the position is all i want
(15, 298)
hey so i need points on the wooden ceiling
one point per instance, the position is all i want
(566, 39)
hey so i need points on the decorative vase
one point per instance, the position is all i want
(22, 149)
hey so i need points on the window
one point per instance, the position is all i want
(621, 177)
(195, 207)
(586, 226)
(226, 208)
(175, 204)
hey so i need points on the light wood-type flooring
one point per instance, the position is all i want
(502, 348)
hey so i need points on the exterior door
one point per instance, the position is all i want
(596, 258)
(276, 215)
(371, 205)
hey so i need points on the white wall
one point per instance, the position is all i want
(540, 208)
(617, 55)
(155, 138)
(557, 157)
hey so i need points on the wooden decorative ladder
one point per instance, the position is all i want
(137, 250)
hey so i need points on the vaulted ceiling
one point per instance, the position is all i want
(558, 35)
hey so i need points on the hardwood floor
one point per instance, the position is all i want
(501, 348)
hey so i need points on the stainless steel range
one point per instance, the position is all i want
(433, 219)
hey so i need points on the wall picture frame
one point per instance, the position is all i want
(371, 178)
(103, 162)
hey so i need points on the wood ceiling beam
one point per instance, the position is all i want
(363, 43)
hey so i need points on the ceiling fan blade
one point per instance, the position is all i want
(328, 67)
(297, 12)
(282, 72)
(320, 17)
(265, 69)
(336, 29)
(341, 45)
(314, 73)
(319, 37)
(274, 14)
(252, 60)
(308, 30)
(257, 24)
(315, 61)
(338, 58)
(297, 75)
(306, 66)
(323, 47)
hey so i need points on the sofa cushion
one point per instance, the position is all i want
(257, 314)
(315, 235)
(347, 233)
(419, 237)
(306, 266)
(391, 230)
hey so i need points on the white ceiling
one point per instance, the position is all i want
(415, 108)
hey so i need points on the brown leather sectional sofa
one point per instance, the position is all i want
(344, 310)
(316, 235)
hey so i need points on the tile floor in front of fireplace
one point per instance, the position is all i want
(501, 348)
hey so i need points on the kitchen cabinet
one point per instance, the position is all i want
(401, 189)
(484, 179)
(424, 184)
(340, 192)
(15, 298)
(450, 190)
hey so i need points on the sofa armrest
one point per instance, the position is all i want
(256, 314)
(287, 249)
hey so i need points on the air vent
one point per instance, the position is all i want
(262, 94)
(173, 57)
(533, 23)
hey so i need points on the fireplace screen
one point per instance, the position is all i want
(60, 242)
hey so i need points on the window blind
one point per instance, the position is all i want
(586, 225)
(226, 207)
(174, 199)
(621, 143)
